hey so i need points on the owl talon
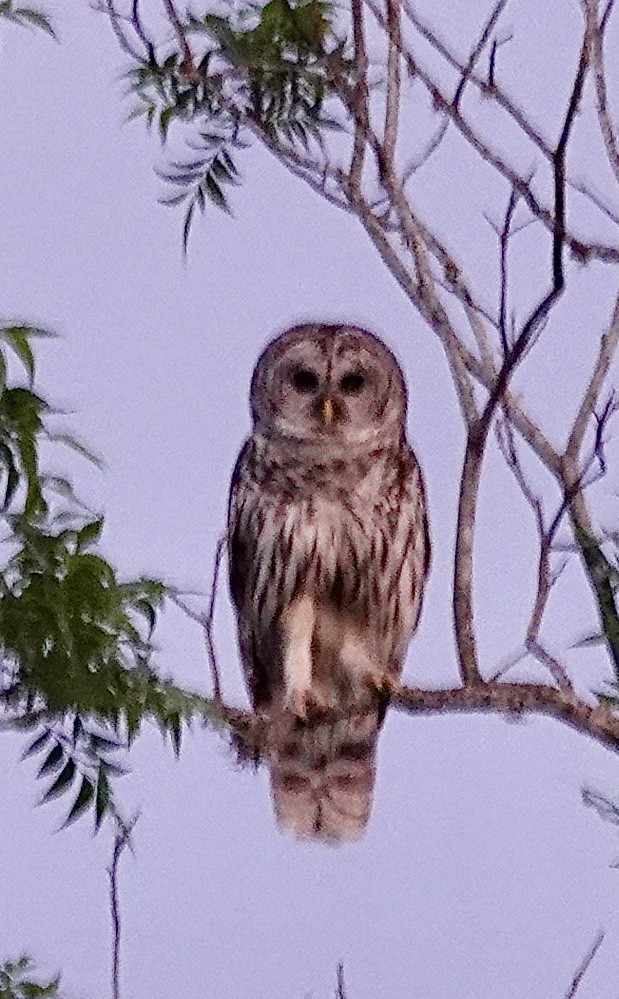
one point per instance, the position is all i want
(297, 703)
(385, 684)
(306, 705)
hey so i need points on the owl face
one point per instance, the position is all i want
(334, 383)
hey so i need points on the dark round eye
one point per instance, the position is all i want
(352, 383)
(305, 380)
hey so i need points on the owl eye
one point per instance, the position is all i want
(352, 383)
(305, 380)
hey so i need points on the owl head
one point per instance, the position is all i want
(334, 383)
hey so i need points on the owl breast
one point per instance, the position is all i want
(327, 569)
(336, 551)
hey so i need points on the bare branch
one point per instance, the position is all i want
(597, 567)
(393, 82)
(545, 580)
(122, 840)
(581, 250)
(585, 965)
(340, 989)
(359, 103)
(551, 663)
(478, 49)
(420, 160)
(210, 619)
(596, 200)
(107, 7)
(207, 620)
(175, 21)
(487, 87)
(603, 111)
(608, 347)
(138, 27)
(598, 722)
(505, 235)
(478, 432)
(421, 292)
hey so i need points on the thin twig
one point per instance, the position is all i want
(420, 160)
(596, 200)
(603, 111)
(487, 87)
(478, 49)
(608, 347)
(443, 105)
(504, 242)
(478, 432)
(107, 7)
(210, 619)
(175, 21)
(545, 581)
(121, 841)
(585, 965)
(207, 620)
(340, 992)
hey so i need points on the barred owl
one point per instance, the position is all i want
(328, 553)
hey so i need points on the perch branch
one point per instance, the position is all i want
(598, 722)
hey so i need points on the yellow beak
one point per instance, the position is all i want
(327, 411)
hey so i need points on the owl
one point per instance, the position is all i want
(328, 552)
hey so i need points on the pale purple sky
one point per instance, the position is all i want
(481, 874)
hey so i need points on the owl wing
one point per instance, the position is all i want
(404, 558)
(420, 549)
(245, 525)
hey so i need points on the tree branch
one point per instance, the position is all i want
(584, 965)
(598, 722)
(121, 842)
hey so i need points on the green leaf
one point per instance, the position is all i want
(62, 782)
(37, 18)
(187, 226)
(37, 744)
(82, 801)
(215, 193)
(17, 339)
(102, 797)
(165, 118)
(52, 761)
(12, 475)
(89, 534)
(175, 732)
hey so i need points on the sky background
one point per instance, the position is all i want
(481, 874)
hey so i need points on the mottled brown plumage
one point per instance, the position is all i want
(328, 546)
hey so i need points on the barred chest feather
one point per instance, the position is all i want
(326, 528)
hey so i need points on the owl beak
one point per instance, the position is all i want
(327, 411)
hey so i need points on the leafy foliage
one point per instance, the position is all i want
(26, 16)
(16, 981)
(267, 68)
(75, 640)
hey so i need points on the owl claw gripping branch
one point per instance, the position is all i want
(328, 538)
